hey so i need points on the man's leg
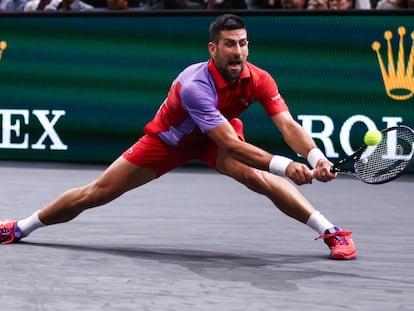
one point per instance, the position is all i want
(280, 191)
(144, 161)
(289, 200)
(118, 178)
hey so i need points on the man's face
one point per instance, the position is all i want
(230, 53)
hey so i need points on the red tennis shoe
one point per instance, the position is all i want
(7, 231)
(340, 243)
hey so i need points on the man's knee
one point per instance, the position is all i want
(255, 179)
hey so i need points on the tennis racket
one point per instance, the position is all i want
(384, 162)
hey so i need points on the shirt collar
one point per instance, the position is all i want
(218, 78)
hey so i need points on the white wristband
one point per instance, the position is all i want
(278, 165)
(314, 156)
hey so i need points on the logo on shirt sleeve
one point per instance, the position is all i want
(276, 97)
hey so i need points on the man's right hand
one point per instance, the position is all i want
(299, 173)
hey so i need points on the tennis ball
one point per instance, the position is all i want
(372, 137)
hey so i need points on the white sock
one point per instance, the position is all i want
(29, 224)
(319, 223)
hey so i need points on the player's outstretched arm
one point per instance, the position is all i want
(302, 143)
(226, 138)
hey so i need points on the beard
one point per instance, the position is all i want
(230, 67)
(231, 75)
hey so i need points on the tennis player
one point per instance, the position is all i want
(199, 121)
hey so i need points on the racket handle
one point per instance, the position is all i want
(333, 170)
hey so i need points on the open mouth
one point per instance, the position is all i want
(235, 64)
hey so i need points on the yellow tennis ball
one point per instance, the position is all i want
(372, 137)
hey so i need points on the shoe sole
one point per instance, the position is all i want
(340, 257)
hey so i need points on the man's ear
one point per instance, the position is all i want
(212, 49)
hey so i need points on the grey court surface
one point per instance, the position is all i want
(195, 240)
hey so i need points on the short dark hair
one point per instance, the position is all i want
(225, 22)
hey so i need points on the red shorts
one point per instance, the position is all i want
(151, 152)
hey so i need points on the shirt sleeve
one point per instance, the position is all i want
(200, 101)
(268, 95)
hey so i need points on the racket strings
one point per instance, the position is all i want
(388, 159)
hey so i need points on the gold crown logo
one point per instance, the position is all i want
(398, 80)
(3, 46)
